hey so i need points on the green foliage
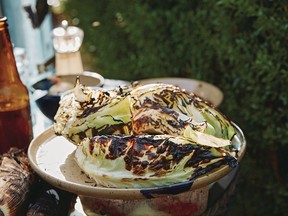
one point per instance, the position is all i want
(240, 46)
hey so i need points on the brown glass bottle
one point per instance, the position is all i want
(15, 116)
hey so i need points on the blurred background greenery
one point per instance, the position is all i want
(240, 46)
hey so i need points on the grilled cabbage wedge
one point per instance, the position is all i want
(147, 160)
(87, 112)
(142, 136)
(166, 109)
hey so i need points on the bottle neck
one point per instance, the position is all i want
(8, 70)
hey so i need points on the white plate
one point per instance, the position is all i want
(52, 157)
(203, 89)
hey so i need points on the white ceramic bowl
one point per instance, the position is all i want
(52, 158)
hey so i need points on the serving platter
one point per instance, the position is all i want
(52, 158)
